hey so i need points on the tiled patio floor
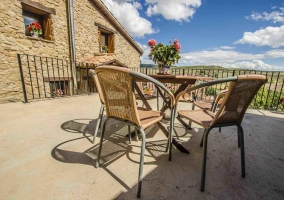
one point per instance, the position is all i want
(46, 153)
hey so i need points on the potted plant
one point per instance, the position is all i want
(147, 90)
(34, 29)
(171, 88)
(104, 49)
(164, 55)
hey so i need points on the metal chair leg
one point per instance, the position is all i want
(129, 134)
(170, 137)
(158, 101)
(136, 135)
(143, 145)
(168, 145)
(189, 125)
(239, 135)
(205, 138)
(101, 145)
(201, 142)
(100, 118)
(193, 106)
(242, 143)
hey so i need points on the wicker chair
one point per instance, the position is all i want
(101, 112)
(241, 91)
(118, 90)
(209, 104)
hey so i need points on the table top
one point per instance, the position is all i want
(180, 78)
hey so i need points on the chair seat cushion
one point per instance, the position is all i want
(149, 117)
(204, 104)
(201, 117)
(147, 96)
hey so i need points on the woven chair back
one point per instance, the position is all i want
(99, 89)
(117, 87)
(238, 98)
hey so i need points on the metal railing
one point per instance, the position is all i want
(46, 77)
(268, 98)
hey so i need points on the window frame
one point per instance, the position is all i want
(41, 13)
(36, 18)
(110, 37)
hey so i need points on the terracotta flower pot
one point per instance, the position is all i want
(149, 92)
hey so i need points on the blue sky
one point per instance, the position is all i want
(230, 33)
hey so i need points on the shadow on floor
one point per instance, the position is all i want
(180, 178)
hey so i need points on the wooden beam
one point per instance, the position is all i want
(52, 79)
(105, 28)
(37, 8)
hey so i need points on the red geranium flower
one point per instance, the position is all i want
(177, 46)
(152, 42)
(34, 27)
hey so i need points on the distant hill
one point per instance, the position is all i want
(201, 67)
(183, 67)
(147, 65)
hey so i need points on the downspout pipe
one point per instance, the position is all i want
(72, 41)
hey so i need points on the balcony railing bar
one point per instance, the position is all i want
(35, 66)
(37, 73)
(32, 88)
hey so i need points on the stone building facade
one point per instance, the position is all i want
(90, 17)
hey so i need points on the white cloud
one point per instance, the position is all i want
(144, 58)
(275, 16)
(253, 65)
(273, 7)
(127, 14)
(178, 10)
(276, 53)
(218, 56)
(269, 36)
(226, 58)
(226, 47)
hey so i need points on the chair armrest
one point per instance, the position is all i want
(99, 90)
(214, 82)
(156, 83)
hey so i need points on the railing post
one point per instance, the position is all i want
(233, 72)
(278, 102)
(87, 67)
(22, 79)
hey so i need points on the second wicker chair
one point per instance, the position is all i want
(118, 90)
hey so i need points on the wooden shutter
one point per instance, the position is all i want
(111, 43)
(46, 27)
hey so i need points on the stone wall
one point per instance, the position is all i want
(86, 34)
(13, 40)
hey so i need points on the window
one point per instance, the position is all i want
(30, 17)
(36, 12)
(59, 88)
(106, 38)
(103, 39)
